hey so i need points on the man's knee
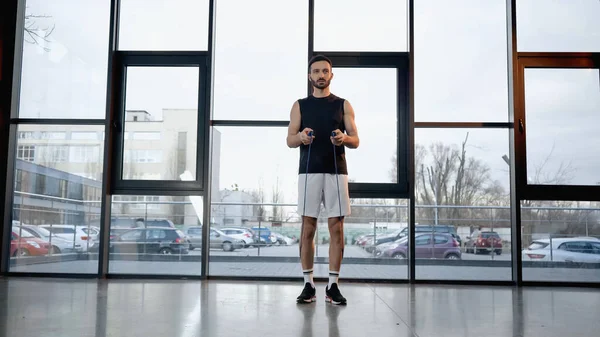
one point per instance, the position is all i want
(308, 229)
(336, 229)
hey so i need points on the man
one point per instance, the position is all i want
(320, 114)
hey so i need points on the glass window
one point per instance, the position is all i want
(558, 239)
(462, 185)
(50, 194)
(562, 132)
(145, 135)
(273, 72)
(460, 61)
(372, 92)
(161, 250)
(255, 186)
(84, 135)
(558, 26)
(22, 232)
(164, 25)
(351, 25)
(65, 59)
(369, 235)
(169, 107)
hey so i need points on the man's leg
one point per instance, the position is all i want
(310, 191)
(336, 248)
(307, 248)
(337, 205)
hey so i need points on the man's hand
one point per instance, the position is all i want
(339, 138)
(305, 138)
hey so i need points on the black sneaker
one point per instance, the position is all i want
(334, 296)
(308, 295)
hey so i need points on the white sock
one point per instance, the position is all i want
(333, 277)
(308, 277)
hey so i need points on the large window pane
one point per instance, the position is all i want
(373, 94)
(255, 203)
(460, 61)
(57, 199)
(558, 26)
(152, 234)
(462, 205)
(163, 25)
(352, 25)
(64, 59)
(161, 123)
(262, 69)
(561, 241)
(561, 109)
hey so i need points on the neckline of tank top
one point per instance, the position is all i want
(315, 97)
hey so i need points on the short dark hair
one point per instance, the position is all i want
(318, 58)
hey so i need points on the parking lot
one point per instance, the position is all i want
(282, 261)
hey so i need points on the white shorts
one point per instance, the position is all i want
(322, 188)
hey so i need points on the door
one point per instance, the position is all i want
(557, 113)
(423, 246)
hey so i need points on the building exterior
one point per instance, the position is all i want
(65, 163)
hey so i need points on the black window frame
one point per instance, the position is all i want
(550, 192)
(399, 61)
(126, 59)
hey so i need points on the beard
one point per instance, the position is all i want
(320, 84)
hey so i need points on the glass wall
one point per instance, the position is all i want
(151, 234)
(561, 241)
(58, 168)
(560, 232)
(462, 219)
(462, 182)
(183, 70)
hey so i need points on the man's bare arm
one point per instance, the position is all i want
(293, 137)
(351, 139)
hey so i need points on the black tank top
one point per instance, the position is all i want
(322, 115)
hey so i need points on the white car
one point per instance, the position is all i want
(582, 249)
(242, 234)
(80, 235)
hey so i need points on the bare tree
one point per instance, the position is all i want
(277, 197)
(35, 33)
(451, 177)
(258, 196)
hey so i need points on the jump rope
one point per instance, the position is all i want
(333, 134)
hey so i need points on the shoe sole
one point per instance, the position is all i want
(330, 300)
(312, 299)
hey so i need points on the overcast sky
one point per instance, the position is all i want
(261, 51)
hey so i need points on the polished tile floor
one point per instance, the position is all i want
(62, 308)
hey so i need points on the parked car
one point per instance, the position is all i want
(427, 246)
(150, 241)
(372, 242)
(450, 229)
(485, 242)
(579, 249)
(58, 244)
(263, 236)
(218, 239)
(240, 233)
(23, 243)
(282, 239)
(75, 234)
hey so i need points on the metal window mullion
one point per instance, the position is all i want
(112, 95)
(516, 166)
(10, 86)
(411, 143)
(207, 143)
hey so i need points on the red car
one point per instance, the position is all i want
(27, 244)
(485, 242)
